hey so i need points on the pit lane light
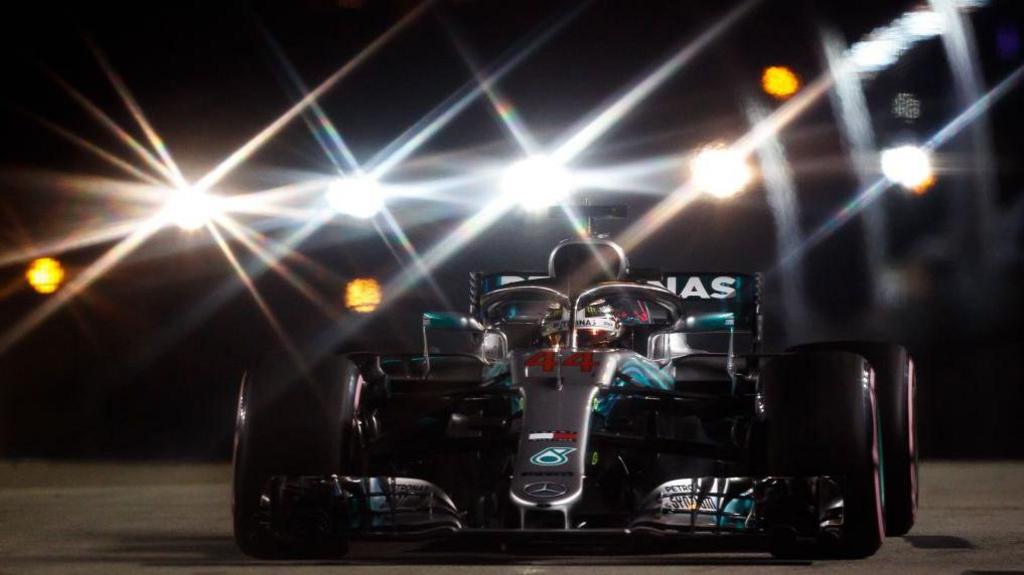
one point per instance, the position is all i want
(536, 183)
(720, 171)
(362, 295)
(357, 196)
(45, 275)
(909, 166)
(779, 82)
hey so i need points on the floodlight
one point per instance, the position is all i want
(536, 183)
(720, 171)
(909, 166)
(190, 208)
(358, 196)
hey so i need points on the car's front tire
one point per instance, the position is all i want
(895, 386)
(821, 419)
(287, 423)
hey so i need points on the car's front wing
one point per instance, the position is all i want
(330, 508)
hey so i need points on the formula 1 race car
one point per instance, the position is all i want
(584, 404)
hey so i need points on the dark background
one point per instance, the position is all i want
(146, 362)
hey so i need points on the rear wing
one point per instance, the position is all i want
(703, 292)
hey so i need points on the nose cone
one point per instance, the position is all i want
(559, 388)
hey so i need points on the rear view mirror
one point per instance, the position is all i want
(678, 340)
(667, 345)
(448, 332)
(451, 321)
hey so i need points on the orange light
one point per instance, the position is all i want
(362, 295)
(779, 82)
(45, 275)
(924, 186)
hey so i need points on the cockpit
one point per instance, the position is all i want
(585, 300)
(589, 298)
(608, 314)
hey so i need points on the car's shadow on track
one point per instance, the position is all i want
(157, 549)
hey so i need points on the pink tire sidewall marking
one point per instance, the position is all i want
(879, 512)
(911, 383)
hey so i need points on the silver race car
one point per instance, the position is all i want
(590, 404)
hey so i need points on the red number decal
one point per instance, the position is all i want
(584, 361)
(543, 359)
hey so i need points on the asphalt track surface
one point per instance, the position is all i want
(159, 518)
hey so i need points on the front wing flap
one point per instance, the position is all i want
(327, 508)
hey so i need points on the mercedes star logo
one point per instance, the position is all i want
(544, 489)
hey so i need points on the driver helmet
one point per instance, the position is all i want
(596, 325)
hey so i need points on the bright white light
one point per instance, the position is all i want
(923, 23)
(190, 209)
(357, 196)
(537, 182)
(908, 166)
(878, 53)
(720, 171)
(884, 46)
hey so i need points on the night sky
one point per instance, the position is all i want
(146, 361)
